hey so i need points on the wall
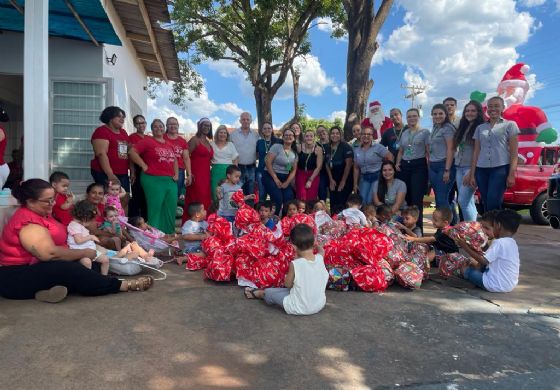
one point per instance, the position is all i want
(129, 76)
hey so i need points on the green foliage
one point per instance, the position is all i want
(312, 123)
(262, 37)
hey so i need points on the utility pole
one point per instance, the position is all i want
(414, 90)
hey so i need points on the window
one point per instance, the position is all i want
(76, 107)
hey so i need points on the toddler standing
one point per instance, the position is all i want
(227, 209)
(305, 281)
(115, 193)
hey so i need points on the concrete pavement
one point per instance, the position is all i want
(187, 333)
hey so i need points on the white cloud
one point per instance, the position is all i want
(337, 114)
(456, 46)
(326, 25)
(196, 108)
(532, 3)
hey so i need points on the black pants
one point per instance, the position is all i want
(415, 175)
(339, 198)
(137, 205)
(23, 281)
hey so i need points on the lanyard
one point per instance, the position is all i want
(333, 152)
(289, 165)
(267, 145)
(308, 155)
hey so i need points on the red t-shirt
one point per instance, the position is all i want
(118, 150)
(100, 216)
(159, 157)
(61, 215)
(11, 250)
(179, 145)
(134, 138)
(3, 144)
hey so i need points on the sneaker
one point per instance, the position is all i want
(52, 295)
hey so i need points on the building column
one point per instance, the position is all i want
(36, 90)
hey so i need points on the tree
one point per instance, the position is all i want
(262, 37)
(362, 24)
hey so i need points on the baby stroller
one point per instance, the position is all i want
(148, 240)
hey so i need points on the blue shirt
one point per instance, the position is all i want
(262, 149)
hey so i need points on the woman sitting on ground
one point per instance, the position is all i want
(389, 190)
(35, 261)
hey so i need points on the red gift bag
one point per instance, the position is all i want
(409, 275)
(370, 278)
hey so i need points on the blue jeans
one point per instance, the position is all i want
(248, 178)
(367, 180)
(441, 189)
(279, 196)
(262, 191)
(466, 195)
(276, 295)
(492, 185)
(475, 276)
(181, 182)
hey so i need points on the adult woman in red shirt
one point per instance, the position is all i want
(4, 169)
(181, 153)
(201, 153)
(110, 147)
(35, 261)
(137, 206)
(156, 158)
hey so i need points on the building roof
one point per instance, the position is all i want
(154, 45)
(62, 22)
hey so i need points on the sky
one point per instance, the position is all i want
(451, 47)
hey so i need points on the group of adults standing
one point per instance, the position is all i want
(393, 166)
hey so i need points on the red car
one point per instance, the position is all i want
(531, 184)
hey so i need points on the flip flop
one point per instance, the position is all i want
(252, 292)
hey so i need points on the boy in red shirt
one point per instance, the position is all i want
(64, 199)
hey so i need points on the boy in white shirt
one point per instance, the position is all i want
(195, 229)
(498, 269)
(305, 281)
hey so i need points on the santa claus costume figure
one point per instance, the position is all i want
(534, 128)
(377, 120)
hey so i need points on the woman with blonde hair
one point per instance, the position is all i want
(225, 154)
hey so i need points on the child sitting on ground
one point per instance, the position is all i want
(64, 199)
(291, 208)
(320, 205)
(441, 242)
(383, 213)
(138, 222)
(112, 226)
(227, 209)
(371, 215)
(305, 281)
(352, 215)
(410, 217)
(79, 237)
(498, 269)
(266, 215)
(301, 206)
(195, 229)
(115, 194)
(487, 224)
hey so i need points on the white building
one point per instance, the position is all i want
(63, 61)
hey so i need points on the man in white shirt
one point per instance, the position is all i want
(245, 141)
(499, 266)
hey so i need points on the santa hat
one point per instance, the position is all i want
(515, 77)
(374, 103)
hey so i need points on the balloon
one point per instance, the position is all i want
(547, 136)
(478, 96)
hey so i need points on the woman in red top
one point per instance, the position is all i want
(181, 153)
(156, 158)
(201, 153)
(137, 205)
(35, 261)
(110, 147)
(4, 169)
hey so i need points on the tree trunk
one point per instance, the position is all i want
(363, 26)
(263, 100)
(295, 78)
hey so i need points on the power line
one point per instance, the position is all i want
(414, 90)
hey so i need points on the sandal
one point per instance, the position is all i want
(250, 293)
(52, 295)
(143, 283)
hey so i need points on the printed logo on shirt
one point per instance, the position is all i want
(178, 150)
(165, 155)
(122, 147)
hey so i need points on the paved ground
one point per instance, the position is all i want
(190, 334)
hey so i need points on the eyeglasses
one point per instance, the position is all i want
(47, 201)
(288, 135)
(368, 134)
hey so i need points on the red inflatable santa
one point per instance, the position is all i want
(534, 128)
(377, 120)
